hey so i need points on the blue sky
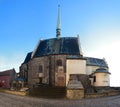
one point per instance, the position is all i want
(24, 22)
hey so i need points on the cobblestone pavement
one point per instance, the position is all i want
(8, 100)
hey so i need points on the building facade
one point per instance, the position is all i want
(6, 78)
(54, 60)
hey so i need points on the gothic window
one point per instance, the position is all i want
(59, 62)
(40, 69)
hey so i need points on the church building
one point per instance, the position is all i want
(57, 61)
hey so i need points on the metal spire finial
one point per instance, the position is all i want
(58, 30)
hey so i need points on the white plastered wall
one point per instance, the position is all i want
(75, 66)
(91, 69)
(102, 79)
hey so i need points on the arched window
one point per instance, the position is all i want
(94, 79)
(59, 62)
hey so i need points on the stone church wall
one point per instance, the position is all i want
(60, 70)
(34, 69)
(54, 68)
(57, 70)
(23, 71)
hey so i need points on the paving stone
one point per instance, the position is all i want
(8, 100)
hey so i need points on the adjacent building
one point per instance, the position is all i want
(6, 78)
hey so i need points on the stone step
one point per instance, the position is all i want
(48, 92)
(85, 82)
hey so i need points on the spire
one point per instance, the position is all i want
(58, 30)
(81, 53)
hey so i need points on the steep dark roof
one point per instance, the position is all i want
(20, 79)
(101, 70)
(96, 62)
(75, 57)
(65, 45)
(28, 57)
